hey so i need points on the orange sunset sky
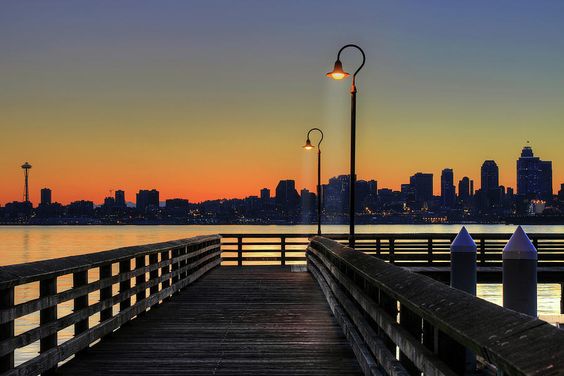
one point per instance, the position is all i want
(206, 100)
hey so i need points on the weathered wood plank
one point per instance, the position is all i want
(497, 334)
(252, 321)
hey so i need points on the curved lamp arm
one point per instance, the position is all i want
(308, 142)
(361, 51)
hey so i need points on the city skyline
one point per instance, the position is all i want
(443, 185)
(97, 97)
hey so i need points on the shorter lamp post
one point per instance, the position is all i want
(309, 146)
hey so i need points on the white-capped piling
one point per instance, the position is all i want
(520, 274)
(463, 276)
(463, 262)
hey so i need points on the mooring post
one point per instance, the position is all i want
(463, 262)
(463, 276)
(520, 274)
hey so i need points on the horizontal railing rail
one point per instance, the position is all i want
(146, 275)
(434, 329)
(424, 249)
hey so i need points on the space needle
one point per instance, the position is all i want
(26, 166)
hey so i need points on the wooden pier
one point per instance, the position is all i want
(233, 321)
(175, 308)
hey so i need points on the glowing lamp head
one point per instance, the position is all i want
(338, 73)
(308, 145)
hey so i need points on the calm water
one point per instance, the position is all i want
(20, 244)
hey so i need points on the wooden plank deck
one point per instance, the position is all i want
(234, 321)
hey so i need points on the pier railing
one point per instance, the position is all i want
(128, 281)
(425, 249)
(386, 310)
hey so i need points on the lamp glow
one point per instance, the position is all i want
(308, 145)
(338, 73)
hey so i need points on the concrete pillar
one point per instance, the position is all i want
(520, 274)
(463, 262)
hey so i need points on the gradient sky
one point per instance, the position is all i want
(210, 99)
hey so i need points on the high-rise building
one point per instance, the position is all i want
(336, 195)
(490, 192)
(120, 199)
(147, 199)
(448, 195)
(422, 183)
(464, 192)
(45, 196)
(265, 195)
(490, 176)
(308, 201)
(287, 197)
(534, 176)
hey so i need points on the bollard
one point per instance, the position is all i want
(520, 274)
(463, 276)
(463, 262)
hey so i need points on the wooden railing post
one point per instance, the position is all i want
(283, 250)
(482, 251)
(124, 267)
(140, 279)
(239, 251)
(175, 265)
(391, 251)
(414, 325)
(183, 263)
(165, 256)
(106, 292)
(80, 279)
(430, 250)
(390, 306)
(48, 287)
(378, 247)
(154, 274)
(451, 352)
(7, 329)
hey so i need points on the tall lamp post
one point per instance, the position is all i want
(338, 74)
(309, 146)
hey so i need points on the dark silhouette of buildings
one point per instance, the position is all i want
(465, 189)
(177, 207)
(534, 176)
(81, 208)
(147, 200)
(490, 195)
(265, 195)
(422, 185)
(448, 194)
(414, 203)
(490, 176)
(287, 197)
(120, 199)
(45, 196)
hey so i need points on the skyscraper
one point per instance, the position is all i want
(464, 188)
(287, 197)
(422, 183)
(120, 199)
(448, 194)
(490, 192)
(534, 176)
(45, 196)
(147, 199)
(490, 176)
(265, 195)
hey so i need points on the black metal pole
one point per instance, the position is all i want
(352, 178)
(318, 191)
